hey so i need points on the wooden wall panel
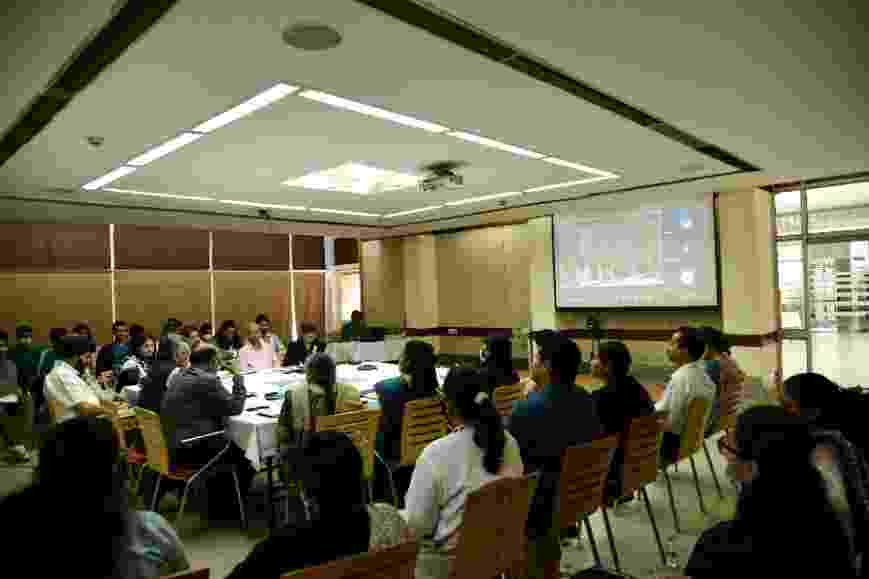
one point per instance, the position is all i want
(241, 296)
(56, 299)
(382, 268)
(346, 251)
(308, 293)
(151, 297)
(161, 248)
(309, 252)
(242, 250)
(54, 247)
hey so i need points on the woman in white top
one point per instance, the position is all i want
(479, 451)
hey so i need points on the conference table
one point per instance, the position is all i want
(386, 350)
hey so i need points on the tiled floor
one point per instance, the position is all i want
(220, 545)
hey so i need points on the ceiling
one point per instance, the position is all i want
(777, 88)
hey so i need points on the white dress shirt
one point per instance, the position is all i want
(687, 383)
(65, 385)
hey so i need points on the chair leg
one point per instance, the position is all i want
(654, 525)
(156, 492)
(183, 502)
(609, 536)
(697, 486)
(592, 542)
(712, 468)
(270, 498)
(240, 499)
(672, 501)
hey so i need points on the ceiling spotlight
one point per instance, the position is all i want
(311, 37)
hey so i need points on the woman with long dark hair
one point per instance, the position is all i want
(785, 525)
(227, 336)
(496, 359)
(340, 523)
(81, 480)
(450, 468)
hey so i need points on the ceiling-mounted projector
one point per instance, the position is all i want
(441, 175)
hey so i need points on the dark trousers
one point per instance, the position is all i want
(670, 444)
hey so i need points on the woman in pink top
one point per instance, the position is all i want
(256, 354)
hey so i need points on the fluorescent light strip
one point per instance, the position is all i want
(344, 212)
(569, 184)
(364, 109)
(164, 149)
(472, 138)
(412, 211)
(578, 167)
(166, 195)
(108, 178)
(484, 198)
(263, 205)
(255, 103)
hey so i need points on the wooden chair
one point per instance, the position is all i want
(692, 440)
(190, 574)
(582, 487)
(639, 445)
(505, 396)
(729, 402)
(398, 562)
(124, 421)
(361, 426)
(157, 454)
(492, 539)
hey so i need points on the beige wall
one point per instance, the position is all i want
(382, 267)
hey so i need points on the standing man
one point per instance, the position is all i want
(547, 422)
(65, 383)
(113, 355)
(689, 381)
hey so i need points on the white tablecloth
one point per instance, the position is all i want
(388, 350)
(255, 433)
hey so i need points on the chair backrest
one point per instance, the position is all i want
(423, 421)
(505, 396)
(156, 450)
(640, 451)
(584, 470)
(112, 410)
(695, 427)
(729, 402)
(492, 537)
(190, 574)
(361, 426)
(398, 562)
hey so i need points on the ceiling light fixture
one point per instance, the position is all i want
(354, 178)
(412, 211)
(164, 149)
(263, 205)
(344, 212)
(568, 184)
(486, 142)
(108, 178)
(255, 103)
(166, 195)
(578, 167)
(364, 109)
(483, 198)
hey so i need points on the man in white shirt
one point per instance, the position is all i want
(64, 384)
(689, 381)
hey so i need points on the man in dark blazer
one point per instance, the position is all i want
(550, 420)
(308, 343)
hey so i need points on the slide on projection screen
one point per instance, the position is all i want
(614, 255)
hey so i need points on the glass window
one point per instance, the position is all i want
(790, 282)
(787, 213)
(837, 356)
(794, 358)
(838, 207)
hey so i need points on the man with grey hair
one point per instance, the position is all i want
(182, 360)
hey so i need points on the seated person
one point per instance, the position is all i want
(418, 380)
(206, 332)
(80, 458)
(355, 329)
(102, 381)
(137, 365)
(539, 360)
(268, 335)
(321, 395)
(25, 354)
(50, 355)
(198, 404)
(825, 406)
(227, 337)
(115, 353)
(620, 399)
(770, 463)
(190, 334)
(14, 417)
(65, 385)
(341, 523)
(547, 422)
(496, 360)
(308, 343)
(182, 360)
(689, 381)
(154, 383)
(256, 354)
(82, 329)
(722, 369)
(478, 452)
